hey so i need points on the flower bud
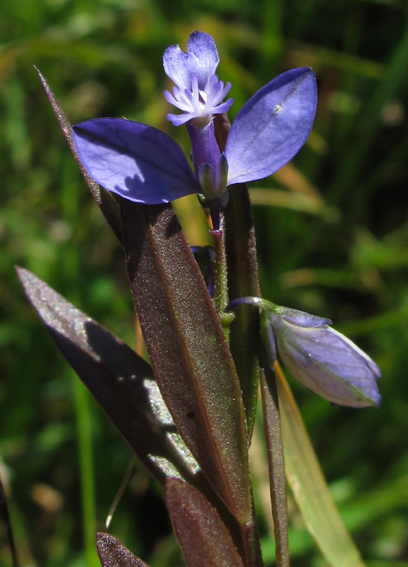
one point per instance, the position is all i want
(318, 356)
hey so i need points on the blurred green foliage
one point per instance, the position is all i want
(332, 232)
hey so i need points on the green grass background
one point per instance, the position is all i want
(332, 235)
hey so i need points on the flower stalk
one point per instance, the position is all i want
(220, 299)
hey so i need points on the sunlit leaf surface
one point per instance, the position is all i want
(187, 349)
(112, 553)
(121, 381)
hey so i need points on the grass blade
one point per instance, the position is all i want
(309, 486)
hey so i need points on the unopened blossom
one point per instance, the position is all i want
(318, 356)
(144, 165)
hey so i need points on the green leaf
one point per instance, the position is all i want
(309, 486)
(188, 351)
(203, 537)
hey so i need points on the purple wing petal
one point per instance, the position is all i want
(272, 127)
(133, 160)
(202, 60)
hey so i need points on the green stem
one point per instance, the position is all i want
(242, 267)
(86, 470)
(220, 299)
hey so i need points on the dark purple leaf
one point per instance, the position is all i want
(277, 479)
(244, 332)
(188, 351)
(242, 280)
(203, 537)
(105, 199)
(112, 553)
(121, 381)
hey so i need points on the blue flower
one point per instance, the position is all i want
(198, 92)
(318, 356)
(144, 165)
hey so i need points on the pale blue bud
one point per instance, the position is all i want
(318, 356)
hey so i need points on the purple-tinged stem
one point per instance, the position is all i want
(252, 545)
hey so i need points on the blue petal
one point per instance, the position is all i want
(202, 47)
(133, 160)
(202, 59)
(272, 127)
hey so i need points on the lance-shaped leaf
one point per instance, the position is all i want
(277, 479)
(104, 198)
(242, 280)
(188, 351)
(309, 486)
(112, 553)
(121, 381)
(272, 126)
(273, 438)
(242, 277)
(203, 537)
